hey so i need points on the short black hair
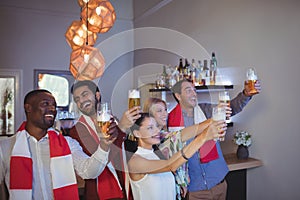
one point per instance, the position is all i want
(139, 121)
(90, 84)
(177, 87)
(33, 93)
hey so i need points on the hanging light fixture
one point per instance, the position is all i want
(99, 14)
(82, 3)
(86, 63)
(77, 34)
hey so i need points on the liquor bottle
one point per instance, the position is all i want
(199, 74)
(180, 69)
(165, 77)
(205, 74)
(213, 69)
(193, 71)
(214, 59)
(186, 68)
(212, 73)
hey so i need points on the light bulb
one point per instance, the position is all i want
(86, 58)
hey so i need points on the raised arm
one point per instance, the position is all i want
(194, 130)
(139, 166)
(129, 117)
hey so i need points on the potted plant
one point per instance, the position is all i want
(243, 140)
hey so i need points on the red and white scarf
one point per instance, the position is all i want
(208, 151)
(61, 165)
(107, 182)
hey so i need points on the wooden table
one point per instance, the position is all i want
(237, 176)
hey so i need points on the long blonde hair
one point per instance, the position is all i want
(150, 102)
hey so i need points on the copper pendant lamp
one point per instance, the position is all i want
(100, 15)
(86, 63)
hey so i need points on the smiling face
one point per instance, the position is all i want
(159, 112)
(188, 96)
(41, 110)
(85, 100)
(148, 133)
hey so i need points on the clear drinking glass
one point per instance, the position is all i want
(251, 80)
(103, 118)
(224, 97)
(219, 113)
(133, 98)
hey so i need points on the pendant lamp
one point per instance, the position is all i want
(99, 14)
(77, 34)
(86, 63)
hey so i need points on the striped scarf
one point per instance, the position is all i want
(21, 177)
(107, 182)
(208, 151)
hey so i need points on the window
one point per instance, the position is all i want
(57, 85)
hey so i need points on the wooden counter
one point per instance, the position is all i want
(237, 176)
(236, 164)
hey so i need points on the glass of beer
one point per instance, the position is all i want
(251, 80)
(219, 113)
(103, 118)
(133, 98)
(224, 98)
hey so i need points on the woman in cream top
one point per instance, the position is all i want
(150, 176)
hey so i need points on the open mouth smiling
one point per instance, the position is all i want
(49, 116)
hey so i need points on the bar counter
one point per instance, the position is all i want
(236, 164)
(237, 176)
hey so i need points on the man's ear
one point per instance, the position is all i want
(177, 96)
(27, 108)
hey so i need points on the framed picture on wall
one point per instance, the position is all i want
(9, 100)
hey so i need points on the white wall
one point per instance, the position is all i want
(264, 34)
(32, 37)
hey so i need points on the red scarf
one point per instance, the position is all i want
(208, 151)
(107, 183)
(21, 178)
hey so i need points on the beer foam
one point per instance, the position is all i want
(252, 77)
(104, 117)
(133, 94)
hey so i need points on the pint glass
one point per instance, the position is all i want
(224, 98)
(133, 98)
(251, 80)
(103, 118)
(219, 113)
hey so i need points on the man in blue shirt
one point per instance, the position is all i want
(206, 172)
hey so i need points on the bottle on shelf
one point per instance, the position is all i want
(205, 74)
(193, 71)
(165, 76)
(214, 59)
(213, 69)
(199, 74)
(212, 73)
(186, 70)
(180, 69)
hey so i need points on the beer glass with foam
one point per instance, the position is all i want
(224, 98)
(133, 98)
(103, 118)
(219, 113)
(251, 80)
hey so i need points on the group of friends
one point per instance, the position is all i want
(170, 156)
